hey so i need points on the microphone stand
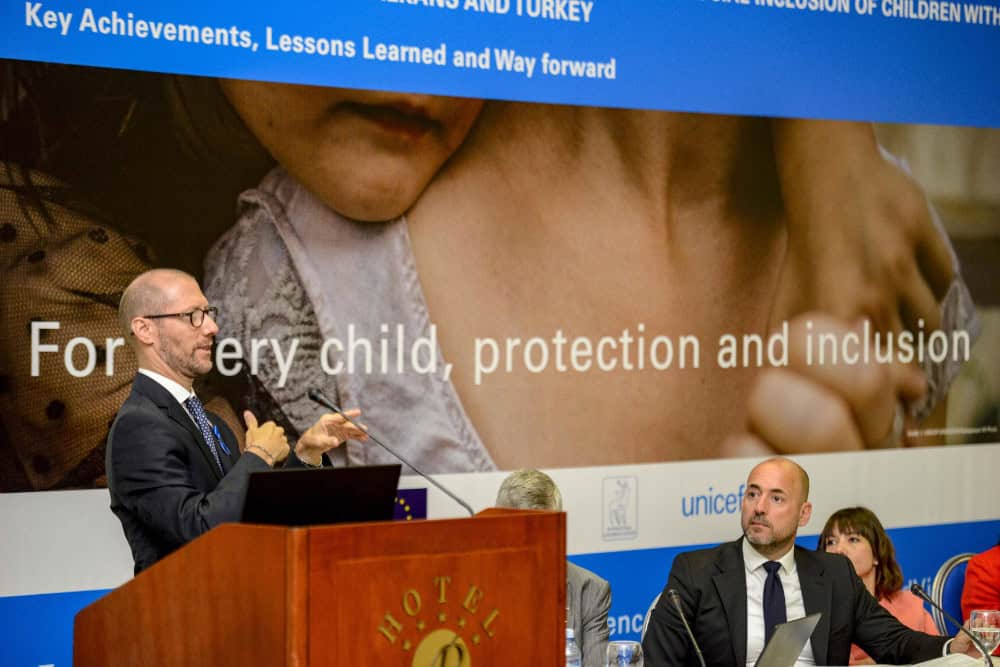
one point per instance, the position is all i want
(920, 593)
(317, 396)
(675, 598)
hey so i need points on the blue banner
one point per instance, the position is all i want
(38, 629)
(883, 60)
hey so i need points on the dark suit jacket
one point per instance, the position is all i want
(712, 587)
(166, 487)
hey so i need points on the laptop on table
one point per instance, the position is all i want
(787, 642)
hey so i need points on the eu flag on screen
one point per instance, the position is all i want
(410, 504)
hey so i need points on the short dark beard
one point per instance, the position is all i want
(773, 548)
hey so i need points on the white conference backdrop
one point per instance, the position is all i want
(61, 541)
(625, 522)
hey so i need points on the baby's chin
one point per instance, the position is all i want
(373, 204)
(372, 213)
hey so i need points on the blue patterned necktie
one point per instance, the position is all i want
(197, 411)
(774, 600)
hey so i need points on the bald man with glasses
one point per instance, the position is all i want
(175, 470)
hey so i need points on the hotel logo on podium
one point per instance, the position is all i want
(440, 625)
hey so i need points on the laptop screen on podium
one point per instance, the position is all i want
(307, 497)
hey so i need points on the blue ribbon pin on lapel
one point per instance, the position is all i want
(218, 436)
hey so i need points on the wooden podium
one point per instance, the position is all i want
(490, 590)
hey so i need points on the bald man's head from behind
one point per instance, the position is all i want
(169, 324)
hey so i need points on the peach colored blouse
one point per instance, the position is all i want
(908, 610)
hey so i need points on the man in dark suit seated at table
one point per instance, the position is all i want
(588, 597)
(734, 595)
(174, 470)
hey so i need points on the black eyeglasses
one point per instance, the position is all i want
(196, 316)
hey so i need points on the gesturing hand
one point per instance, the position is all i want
(330, 431)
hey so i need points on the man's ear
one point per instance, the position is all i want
(805, 513)
(142, 329)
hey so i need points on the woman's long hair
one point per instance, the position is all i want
(862, 521)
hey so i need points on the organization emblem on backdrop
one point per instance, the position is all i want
(620, 500)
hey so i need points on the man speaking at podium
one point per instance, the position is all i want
(735, 594)
(175, 470)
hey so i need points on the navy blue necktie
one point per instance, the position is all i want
(197, 411)
(774, 600)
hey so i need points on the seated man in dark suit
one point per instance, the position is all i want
(588, 597)
(734, 595)
(174, 470)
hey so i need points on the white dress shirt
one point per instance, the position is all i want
(794, 605)
(178, 391)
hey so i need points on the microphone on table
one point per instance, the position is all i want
(920, 593)
(317, 396)
(675, 598)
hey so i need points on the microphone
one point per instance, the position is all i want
(676, 599)
(316, 396)
(920, 593)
